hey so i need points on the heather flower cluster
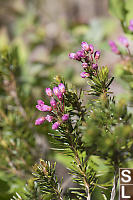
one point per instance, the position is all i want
(55, 112)
(115, 48)
(89, 59)
(123, 40)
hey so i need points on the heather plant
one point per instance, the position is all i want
(90, 128)
(24, 72)
(96, 135)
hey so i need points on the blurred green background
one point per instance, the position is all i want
(37, 36)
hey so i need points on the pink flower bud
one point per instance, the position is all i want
(115, 50)
(49, 108)
(97, 55)
(44, 108)
(124, 41)
(55, 125)
(112, 43)
(72, 56)
(40, 102)
(40, 121)
(65, 117)
(84, 65)
(85, 46)
(84, 74)
(49, 118)
(56, 90)
(60, 96)
(49, 92)
(53, 102)
(79, 55)
(91, 48)
(39, 107)
(87, 74)
(114, 47)
(61, 87)
(94, 66)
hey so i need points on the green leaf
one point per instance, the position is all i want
(117, 8)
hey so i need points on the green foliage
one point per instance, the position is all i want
(114, 127)
(123, 11)
(83, 169)
(47, 182)
(31, 192)
(100, 83)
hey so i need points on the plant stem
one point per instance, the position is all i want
(82, 172)
(77, 159)
(113, 192)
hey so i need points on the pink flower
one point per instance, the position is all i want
(115, 50)
(40, 102)
(40, 121)
(112, 44)
(97, 55)
(84, 74)
(57, 107)
(85, 46)
(95, 66)
(53, 102)
(60, 96)
(49, 92)
(72, 56)
(55, 125)
(49, 108)
(65, 117)
(124, 41)
(76, 56)
(84, 65)
(49, 118)
(80, 54)
(61, 87)
(114, 47)
(56, 91)
(91, 48)
(44, 108)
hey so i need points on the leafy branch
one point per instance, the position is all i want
(47, 181)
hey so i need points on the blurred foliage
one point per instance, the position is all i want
(124, 68)
(123, 11)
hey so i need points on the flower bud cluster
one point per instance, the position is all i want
(115, 48)
(89, 59)
(55, 112)
(123, 40)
